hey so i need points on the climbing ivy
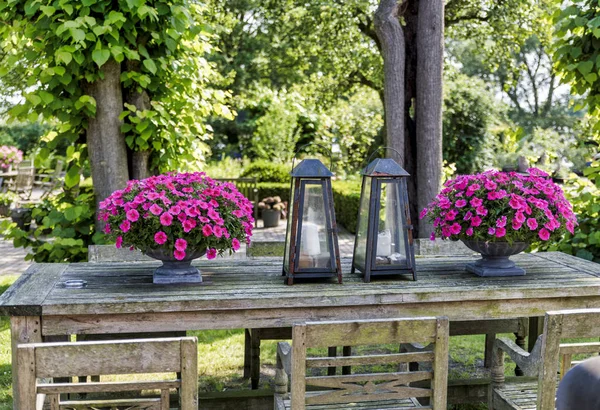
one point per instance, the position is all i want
(160, 46)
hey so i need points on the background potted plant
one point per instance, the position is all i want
(177, 218)
(272, 210)
(6, 199)
(499, 214)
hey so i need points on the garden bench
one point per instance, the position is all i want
(59, 360)
(543, 361)
(23, 182)
(376, 390)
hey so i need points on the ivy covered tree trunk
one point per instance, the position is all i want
(139, 165)
(428, 109)
(106, 145)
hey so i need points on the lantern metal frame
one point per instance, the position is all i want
(310, 172)
(380, 172)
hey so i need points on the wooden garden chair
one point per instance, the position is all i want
(23, 183)
(50, 182)
(58, 360)
(375, 390)
(543, 361)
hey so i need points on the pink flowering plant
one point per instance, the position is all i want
(9, 155)
(501, 206)
(181, 212)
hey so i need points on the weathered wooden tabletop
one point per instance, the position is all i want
(120, 297)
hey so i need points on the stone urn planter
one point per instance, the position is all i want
(175, 271)
(271, 217)
(4, 210)
(22, 217)
(495, 258)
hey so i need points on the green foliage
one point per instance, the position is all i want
(7, 198)
(267, 171)
(471, 114)
(346, 199)
(270, 189)
(160, 47)
(69, 218)
(584, 194)
(25, 136)
(577, 53)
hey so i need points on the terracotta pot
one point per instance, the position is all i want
(495, 258)
(175, 271)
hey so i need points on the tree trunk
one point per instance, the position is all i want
(106, 146)
(410, 17)
(140, 160)
(389, 32)
(428, 110)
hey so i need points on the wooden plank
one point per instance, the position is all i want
(574, 348)
(341, 382)
(347, 396)
(370, 332)
(25, 365)
(298, 388)
(553, 326)
(137, 404)
(23, 329)
(54, 388)
(26, 295)
(370, 359)
(440, 365)
(189, 374)
(286, 317)
(579, 322)
(147, 356)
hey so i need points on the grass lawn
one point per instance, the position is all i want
(221, 358)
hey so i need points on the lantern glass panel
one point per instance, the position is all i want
(315, 245)
(360, 253)
(391, 231)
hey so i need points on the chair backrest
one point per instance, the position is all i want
(25, 176)
(372, 386)
(558, 325)
(52, 360)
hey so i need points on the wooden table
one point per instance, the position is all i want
(120, 297)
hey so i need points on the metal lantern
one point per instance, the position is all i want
(384, 242)
(311, 244)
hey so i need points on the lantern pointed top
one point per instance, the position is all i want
(384, 167)
(308, 168)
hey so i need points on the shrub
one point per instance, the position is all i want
(265, 171)
(346, 199)
(280, 189)
(584, 194)
(69, 218)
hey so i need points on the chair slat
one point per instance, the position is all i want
(137, 404)
(369, 359)
(344, 396)
(349, 381)
(109, 387)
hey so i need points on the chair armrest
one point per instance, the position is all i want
(528, 362)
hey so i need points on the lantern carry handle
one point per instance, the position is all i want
(313, 143)
(380, 148)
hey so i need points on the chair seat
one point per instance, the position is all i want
(518, 396)
(365, 405)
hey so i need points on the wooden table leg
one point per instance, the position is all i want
(536, 328)
(23, 329)
(247, 352)
(255, 358)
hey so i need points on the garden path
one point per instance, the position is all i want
(12, 260)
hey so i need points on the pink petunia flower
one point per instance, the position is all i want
(235, 244)
(500, 232)
(181, 244)
(133, 215)
(211, 253)
(188, 225)
(476, 221)
(455, 228)
(544, 234)
(125, 226)
(160, 237)
(532, 223)
(119, 242)
(421, 215)
(461, 203)
(179, 255)
(476, 202)
(166, 219)
(432, 236)
(156, 210)
(469, 231)
(491, 231)
(217, 231)
(501, 222)
(481, 211)
(207, 230)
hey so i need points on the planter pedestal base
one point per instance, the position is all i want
(480, 270)
(176, 272)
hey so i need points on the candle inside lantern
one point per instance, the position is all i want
(384, 243)
(310, 239)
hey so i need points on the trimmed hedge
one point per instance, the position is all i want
(346, 199)
(266, 171)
